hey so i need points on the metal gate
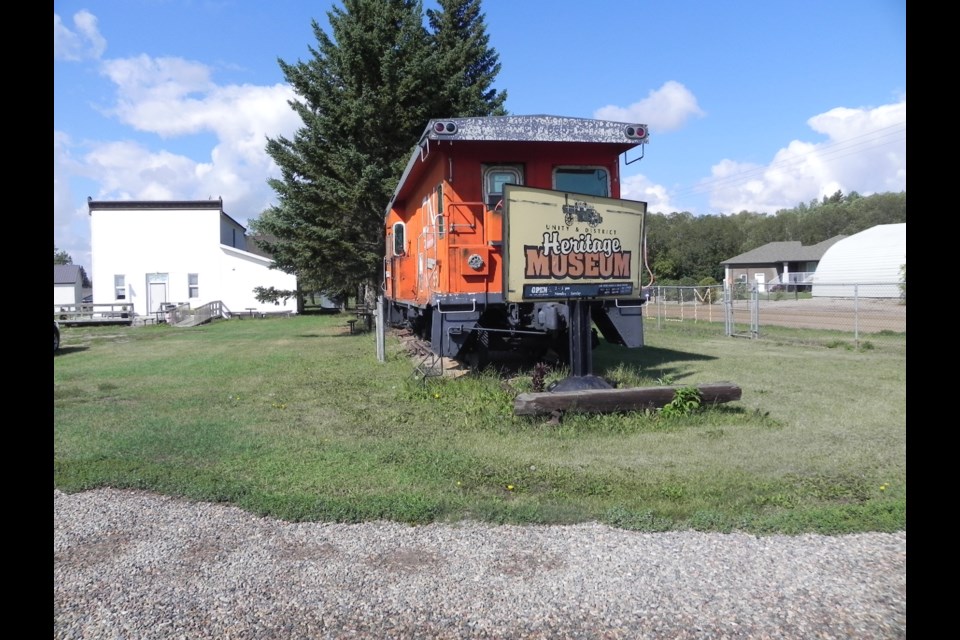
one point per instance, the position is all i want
(741, 310)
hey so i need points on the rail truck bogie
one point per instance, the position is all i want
(459, 271)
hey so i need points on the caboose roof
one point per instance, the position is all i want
(535, 128)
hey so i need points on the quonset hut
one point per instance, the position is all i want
(866, 264)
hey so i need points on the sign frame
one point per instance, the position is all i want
(560, 245)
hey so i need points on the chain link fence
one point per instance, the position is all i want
(822, 313)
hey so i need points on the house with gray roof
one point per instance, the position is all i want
(69, 282)
(151, 254)
(778, 264)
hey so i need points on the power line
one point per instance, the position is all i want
(832, 151)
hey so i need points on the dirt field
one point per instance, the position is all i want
(839, 314)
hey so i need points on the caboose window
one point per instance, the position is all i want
(593, 181)
(494, 177)
(398, 240)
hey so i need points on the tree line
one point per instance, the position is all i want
(686, 249)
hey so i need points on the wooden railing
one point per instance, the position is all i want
(119, 313)
(90, 313)
(200, 315)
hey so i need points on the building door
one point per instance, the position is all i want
(761, 280)
(156, 291)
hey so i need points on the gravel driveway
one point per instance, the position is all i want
(137, 565)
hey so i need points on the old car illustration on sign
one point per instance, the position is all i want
(581, 212)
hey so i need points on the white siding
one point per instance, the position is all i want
(240, 272)
(178, 242)
(67, 293)
(871, 258)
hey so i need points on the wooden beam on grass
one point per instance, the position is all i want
(613, 400)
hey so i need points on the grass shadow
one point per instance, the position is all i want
(665, 362)
(65, 350)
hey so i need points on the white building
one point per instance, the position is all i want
(151, 253)
(67, 284)
(866, 264)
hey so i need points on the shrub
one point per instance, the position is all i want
(686, 400)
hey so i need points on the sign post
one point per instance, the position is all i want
(576, 249)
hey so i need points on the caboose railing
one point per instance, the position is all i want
(454, 206)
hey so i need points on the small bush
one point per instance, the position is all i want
(686, 400)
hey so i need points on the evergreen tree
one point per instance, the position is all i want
(467, 65)
(360, 98)
(61, 257)
(364, 97)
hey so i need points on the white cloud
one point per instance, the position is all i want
(175, 99)
(129, 171)
(865, 152)
(84, 41)
(665, 109)
(70, 224)
(62, 196)
(172, 97)
(638, 187)
(160, 95)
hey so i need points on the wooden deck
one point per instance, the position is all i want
(88, 313)
(179, 315)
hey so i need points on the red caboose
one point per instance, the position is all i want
(503, 230)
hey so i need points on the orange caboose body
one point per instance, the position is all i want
(447, 267)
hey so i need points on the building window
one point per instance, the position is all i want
(399, 246)
(493, 180)
(193, 285)
(592, 181)
(120, 287)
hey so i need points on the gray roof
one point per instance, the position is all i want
(167, 205)
(791, 251)
(67, 273)
(538, 128)
(154, 204)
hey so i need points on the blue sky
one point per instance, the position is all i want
(754, 105)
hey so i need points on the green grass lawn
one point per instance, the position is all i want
(294, 418)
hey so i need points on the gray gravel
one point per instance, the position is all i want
(137, 565)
